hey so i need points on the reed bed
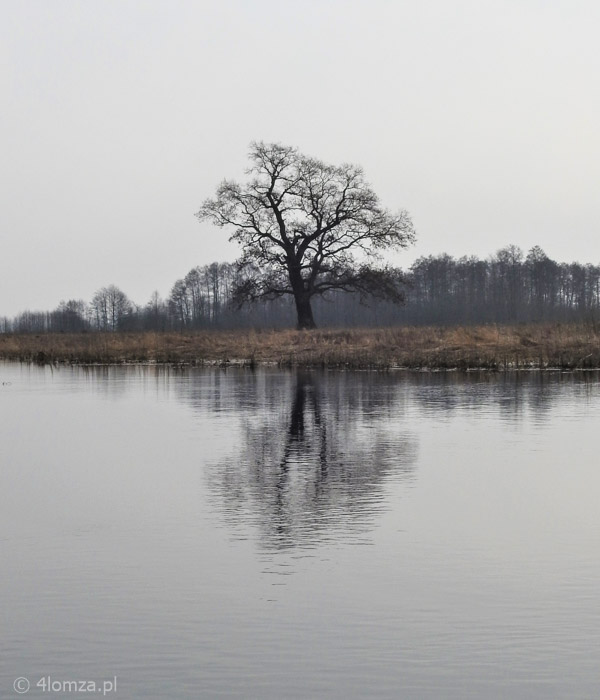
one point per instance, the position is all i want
(495, 347)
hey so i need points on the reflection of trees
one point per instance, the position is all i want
(308, 455)
(315, 451)
(511, 394)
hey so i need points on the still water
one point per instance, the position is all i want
(270, 534)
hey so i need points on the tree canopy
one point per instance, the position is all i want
(306, 228)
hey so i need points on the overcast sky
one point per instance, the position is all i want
(478, 117)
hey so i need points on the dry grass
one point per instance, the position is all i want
(569, 346)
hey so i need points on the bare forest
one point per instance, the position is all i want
(509, 287)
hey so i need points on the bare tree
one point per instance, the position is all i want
(179, 304)
(110, 306)
(307, 228)
(155, 313)
(69, 316)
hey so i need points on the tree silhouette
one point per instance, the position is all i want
(307, 228)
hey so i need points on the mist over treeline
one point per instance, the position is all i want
(509, 287)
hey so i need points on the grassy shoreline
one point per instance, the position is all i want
(494, 347)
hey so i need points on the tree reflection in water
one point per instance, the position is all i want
(316, 450)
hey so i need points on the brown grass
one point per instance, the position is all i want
(567, 346)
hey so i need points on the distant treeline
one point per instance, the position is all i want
(509, 287)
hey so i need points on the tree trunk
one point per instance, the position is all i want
(304, 310)
(301, 298)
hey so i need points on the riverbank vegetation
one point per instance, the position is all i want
(494, 347)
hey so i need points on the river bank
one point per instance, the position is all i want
(495, 347)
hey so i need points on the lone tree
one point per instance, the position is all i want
(307, 228)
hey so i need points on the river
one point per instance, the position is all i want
(278, 534)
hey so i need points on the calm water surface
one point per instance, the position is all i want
(230, 534)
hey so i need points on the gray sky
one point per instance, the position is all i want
(120, 117)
